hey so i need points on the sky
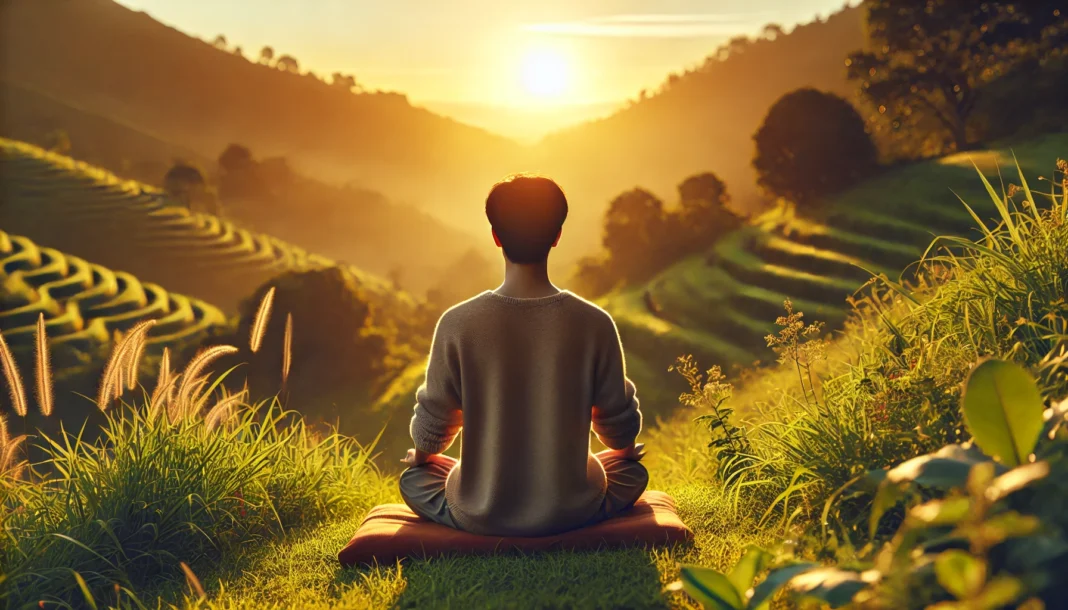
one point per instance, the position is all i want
(551, 58)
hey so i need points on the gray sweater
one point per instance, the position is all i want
(525, 379)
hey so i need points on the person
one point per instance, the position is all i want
(525, 370)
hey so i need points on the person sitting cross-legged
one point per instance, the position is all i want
(525, 371)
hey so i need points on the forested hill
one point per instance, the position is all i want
(704, 119)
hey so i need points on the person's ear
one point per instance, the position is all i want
(557, 240)
(496, 240)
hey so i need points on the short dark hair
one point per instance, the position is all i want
(526, 212)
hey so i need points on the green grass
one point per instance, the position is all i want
(719, 305)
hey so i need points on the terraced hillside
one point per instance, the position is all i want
(85, 211)
(719, 306)
(84, 304)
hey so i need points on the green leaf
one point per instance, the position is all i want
(85, 590)
(1012, 524)
(936, 513)
(710, 588)
(752, 563)
(885, 499)
(960, 573)
(1016, 479)
(776, 580)
(832, 586)
(999, 592)
(944, 469)
(1003, 410)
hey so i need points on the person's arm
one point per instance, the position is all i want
(617, 420)
(438, 417)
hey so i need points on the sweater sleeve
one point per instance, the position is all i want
(617, 420)
(438, 417)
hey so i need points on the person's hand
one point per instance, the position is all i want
(635, 452)
(415, 457)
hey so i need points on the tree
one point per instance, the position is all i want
(236, 158)
(185, 184)
(239, 51)
(934, 55)
(812, 144)
(266, 55)
(288, 63)
(633, 230)
(219, 42)
(704, 211)
(343, 81)
(772, 31)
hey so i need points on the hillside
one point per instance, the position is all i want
(719, 306)
(704, 120)
(188, 93)
(124, 225)
(84, 304)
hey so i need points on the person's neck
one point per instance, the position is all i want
(526, 281)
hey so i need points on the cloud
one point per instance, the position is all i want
(696, 25)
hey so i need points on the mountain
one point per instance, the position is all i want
(704, 119)
(124, 66)
(124, 69)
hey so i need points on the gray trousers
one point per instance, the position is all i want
(423, 487)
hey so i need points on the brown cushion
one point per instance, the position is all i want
(392, 531)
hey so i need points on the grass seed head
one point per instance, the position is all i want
(259, 324)
(14, 380)
(45, 395)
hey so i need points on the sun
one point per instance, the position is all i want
(546, 73)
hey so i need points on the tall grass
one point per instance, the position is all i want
(184, 477)
(1003, 294)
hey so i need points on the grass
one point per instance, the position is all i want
(719, 305)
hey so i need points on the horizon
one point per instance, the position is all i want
(519, 72)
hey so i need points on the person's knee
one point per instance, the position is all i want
(409, 481)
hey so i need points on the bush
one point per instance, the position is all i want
(337, 348)
(186, 476)
(812, 144)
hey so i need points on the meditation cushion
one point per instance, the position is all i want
(392, 531)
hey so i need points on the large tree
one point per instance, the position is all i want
(633, 230)
(703, 213)
(934, 55)
(812, 144)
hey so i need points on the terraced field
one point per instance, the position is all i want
(84, 304)
(719, 306)
(90, 213)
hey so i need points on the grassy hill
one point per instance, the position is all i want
(85, 303)
(720, 305)
(126, 225)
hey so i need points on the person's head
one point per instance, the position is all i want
(526, 212)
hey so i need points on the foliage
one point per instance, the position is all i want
(188, 475)
(340, 345)
(641, 236)
(933, 56)
(708, 394)
(810, 145)
(185, 183)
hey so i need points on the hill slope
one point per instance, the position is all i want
(719, 306)
(127, 226)
(704, 120)
(187, 92)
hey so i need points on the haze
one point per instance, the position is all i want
(520, 71)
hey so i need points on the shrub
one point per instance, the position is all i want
(338, 347)
(810, 145)
(184, 476)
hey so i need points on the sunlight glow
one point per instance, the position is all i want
(546, 73)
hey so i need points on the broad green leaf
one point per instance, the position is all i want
(1016, 479)
(960, 573)
(1001, 591)
(776, 580)
(935, 513)
(944, 469)
(1012, 524)
(752, 563)
(832, 586)
(710, 588)
(1003, 410)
